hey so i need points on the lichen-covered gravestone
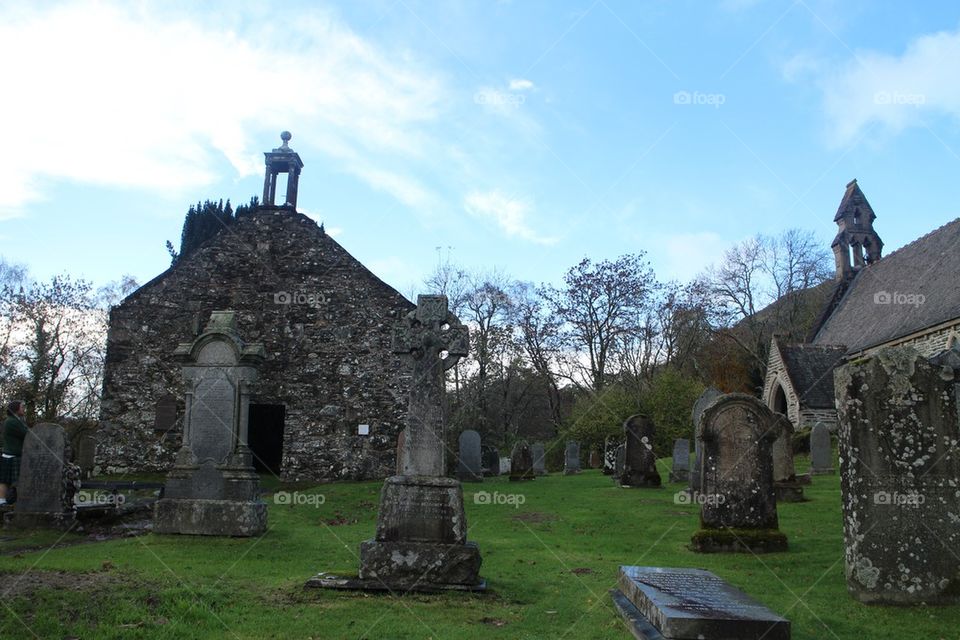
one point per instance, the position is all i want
(680, 469)
(738, 506)
(571, 458)
(469, 468)
(539, 459)
(621, 455)
(900, 477)
(640, 466)
(213, 488)
(709, 395)
(785, 483)
(521, 462)
(821, 455)
(610, 455)
(47, 482)
(421, 539)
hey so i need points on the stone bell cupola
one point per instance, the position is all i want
(857, 244)
(283, 159)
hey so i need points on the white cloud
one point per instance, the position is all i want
(123, 95)
(510, 214)
(520, 84)
(894, 91)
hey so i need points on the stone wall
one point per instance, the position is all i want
(325, 320)
(927, 344)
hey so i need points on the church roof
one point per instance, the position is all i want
(912, 289)
(810, 368)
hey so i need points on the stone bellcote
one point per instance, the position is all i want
(283, 159)
(856, 244)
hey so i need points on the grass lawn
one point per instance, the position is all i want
(549, 564)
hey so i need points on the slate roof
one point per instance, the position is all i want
(874, 310)
(810, 368)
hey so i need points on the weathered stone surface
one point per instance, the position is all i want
(610, 455)
(325, 322)
(706, 398)
(421, 509)
(787, 486)
(404, 565)
(491, 460)
(595, 460)
(821, 454)
(738, 504)
(571, 458)
(621, 454)
(640, 463)
(680, 469)
(539, 459)
(521, 462)
(47, 482)
(469, 466)
(504, 465)
(213, 488)
(900, 469)
(691, 604)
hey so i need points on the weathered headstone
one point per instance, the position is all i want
(469, 467)
(539, 459)
(491, 460)
(680, 469)
(86, 455)
(899, 476)
(610, 455)
(421, 539)
(640, 466)
(47, 482)
(401, 443)
(738, 504)
(571, 458)
(685, 604)
(785, 483)
(521, 462)
(594, 461)
(212, 488)
(504, 465)
(821, 454)
(709, 395)
(621, 455)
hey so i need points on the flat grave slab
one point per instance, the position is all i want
(692, 604)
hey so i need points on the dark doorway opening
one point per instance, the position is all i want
(265, 436)
(780, 401)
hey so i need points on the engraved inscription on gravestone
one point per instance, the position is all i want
(211, 423)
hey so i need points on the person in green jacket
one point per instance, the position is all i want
(14, 431)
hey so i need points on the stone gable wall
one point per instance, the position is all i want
(328, 349)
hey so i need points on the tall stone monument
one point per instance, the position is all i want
(899, 476)
(469, 467)
(709, 395)
(640, 466)
(47, 483)
(785, 481)
(539, 459)
(521, 462)
(738, 506)
(821, 453)
(421, 539)
(680, 469)
(212, 488)
(571, 458)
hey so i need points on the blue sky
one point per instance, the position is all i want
(520, 135)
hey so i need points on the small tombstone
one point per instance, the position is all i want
(821, 455)
(571, 458)
(595, 462)
(738, 503)
(680, 469)
(709, 395)
(610, 455)
(621, 455)
(539, 459)
(48, 481)
(899, 475)
(504, 465)
(212, 488)
(469, 468)
(490, 458)
(86, 455)
(785, 482)
(521, 462)
(640, 466)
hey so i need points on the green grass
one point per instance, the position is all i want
(189, 587)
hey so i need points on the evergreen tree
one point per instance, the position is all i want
(203, 221)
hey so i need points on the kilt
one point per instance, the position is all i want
(9, 470)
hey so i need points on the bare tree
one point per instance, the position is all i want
(537, 337)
